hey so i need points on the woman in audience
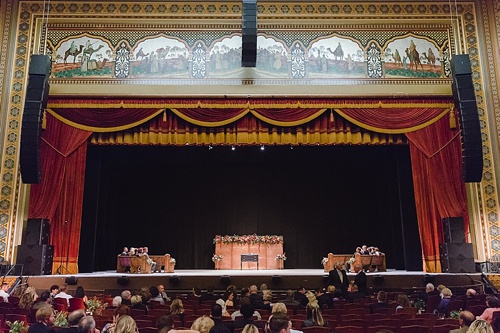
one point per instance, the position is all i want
(117, 301)
(125, 324)
(249, 328)
(316, 318)
(120, 311)
(203, 324)
(480, 326)
(222, 304)
(28, 298)
(403, 302)
(229, 297)
(444, 304)
(177, 309)
(493, 305)
(80, 293)
(137, 303)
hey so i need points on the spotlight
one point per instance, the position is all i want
(225, 279)
(210, 147)
(261, 147)
(123, 281)
(233, 148)
(174, 279)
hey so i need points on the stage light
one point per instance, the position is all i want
(233, 148)
(72, 280)
(378, 279)
(276, 279)
(123, 281)
(429, 279)
(174, 279)
(261, 147)
(225, 279)
(210, 147)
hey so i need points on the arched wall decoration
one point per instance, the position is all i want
(26, 42)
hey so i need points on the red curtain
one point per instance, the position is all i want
(439, 189)
(59, 196)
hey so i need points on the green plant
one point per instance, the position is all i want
(17, 327)
(61, 318)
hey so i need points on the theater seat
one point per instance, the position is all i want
(76, 303)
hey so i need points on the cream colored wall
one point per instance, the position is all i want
(483, 197)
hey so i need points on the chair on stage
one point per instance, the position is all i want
(76, 303)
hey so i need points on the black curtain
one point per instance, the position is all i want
(175, 199)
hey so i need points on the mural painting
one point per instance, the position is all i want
(413, 56)
(225, 57)
(334, 56)
(272, 58)
(82, 56)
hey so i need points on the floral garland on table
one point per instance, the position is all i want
(217, 257)
(248, 239)
(281, 257)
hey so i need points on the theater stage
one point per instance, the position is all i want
(182, 281)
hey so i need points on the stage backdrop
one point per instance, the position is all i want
(175, 199)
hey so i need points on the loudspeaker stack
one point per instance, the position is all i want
(249, 34)
(34, 253)
(456, 255)
(37, 94)
(465, 102)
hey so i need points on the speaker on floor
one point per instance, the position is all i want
(453, 230)
(36, 259)
(37, 93)
(123, 280)
(457, 258)
(465, 102)
(249, 33)
(225, 279)
(37, 232)
(174, 279)
(71, 280)
(276, 279)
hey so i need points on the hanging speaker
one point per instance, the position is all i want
(453, 230)
(37, 93)
(465, 102)
(249, 34)
(37, 232)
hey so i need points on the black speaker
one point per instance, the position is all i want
(249, 34)
(457, 258)
(37, 94)
(123, 281)
(37, 232)
(465, 101)
(36, 259)
(453, 230)
(225, 279)
(72, 280)
(378, 279)
(174, 279)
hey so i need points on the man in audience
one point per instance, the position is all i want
(62, 293)
(470, 293)
(465, 319)
(247, 311)
(4, 292)
(429, 290)
(323, 299)
(256, 299)
(381, 302)
(87, 325)
(353, 293)
(196, 294)
(237, 313)
(43, 300)
(209, 295)
(126, 298)
(290, 302)
(279, 323)
(245, 292)
(44, 321)
(73, 320)
(338, 278)
(163, 294)
(300, 296)
(54, 290)
(219, 325)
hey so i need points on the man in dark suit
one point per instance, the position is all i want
(257, 300)
(219, 325)
(44, 321)
(323, 300)
(338, 277)
(300, 296)
(360, 279)
(247, 313)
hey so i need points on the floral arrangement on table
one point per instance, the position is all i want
(217, 257)
(351, 260)
(248, 239)
(172, 261)
(324, 261)
(95, 306)
(17, 327)
(281, 257)
(60, 318)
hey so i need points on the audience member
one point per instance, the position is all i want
(44, 321)
(323, 299)
(480, 326)
(163, 294)
(177, 309)
(80, 293)
(165, 324)
(54, 290)
(250, 329)
(281, 309)
(125, 324)
(229, 298)
(43, 300)
(381, 302)
(87, 325)
(237, 313)
(444, 304)
(247, 311)
(314, 316)
(155, 295)
(137, 303)
(300, 296)
(126, 296)
(257, 300)
(353, 293)
(360, 279)
(470, 293)
(290, 302)
(465, 318)
(122, 310)
(219, 325)
(493, 306)
(279, 323)
(73, 320)
(4, 292)
(203, 324)
(28, 298)
(403, 302)
(196, 294)
(429, 290)
(62, 293)
(209, 295)
(117, 301)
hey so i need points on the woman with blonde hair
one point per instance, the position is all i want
(177, 309)
(203, 324)
(28, 298)
(480, 326)
(249, 328)
(444, 304)
(279, 307)
(315, 318)
(125, 324)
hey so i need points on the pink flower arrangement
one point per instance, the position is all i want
(248, 239)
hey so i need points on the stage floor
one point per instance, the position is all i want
(183, 280)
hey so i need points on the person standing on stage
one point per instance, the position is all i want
(338, 278)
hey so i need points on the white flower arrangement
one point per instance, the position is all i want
(281, 257)
(324, 260)
(172, 261)
(217, 257)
